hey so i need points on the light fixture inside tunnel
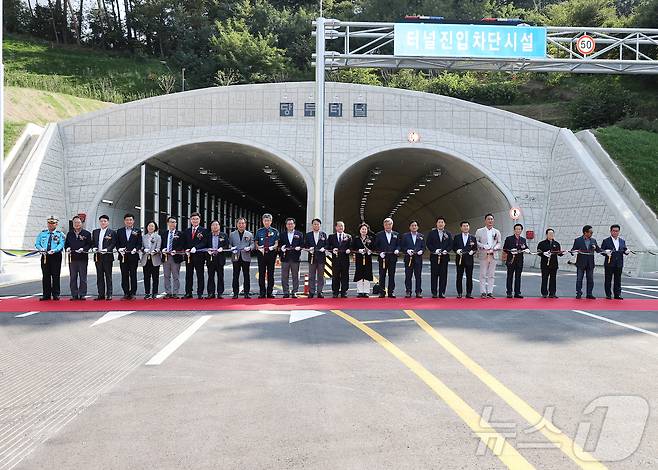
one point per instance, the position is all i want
(367, 189)
(416, 189)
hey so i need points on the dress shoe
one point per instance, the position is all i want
(544, 296)
(219, 296)
(419, 296)
(343, 296)
(382, 295)
(235, 296)
(293, 295)
(483, 295)
(109, 297)
(434, 296)
(490, 295)
(261, 296)
(391, 296)
(407, 295)
(100, 297)
(174, 296)
(608, 297)
(286, 296)
(199, 297)
(469, 296)
(270, 296)
(459, 296)
(75, 297)
(82, 298)
(187, 296)
(247, 296)
(579, 296)
(55, 297)
(310, 296)
(591, 297)
(509, 296)
(552, 296)
(147, 296)
(441, 296)
(335, 296)
(618, 297)
(43, 297)
(518, 296)
(320, 295)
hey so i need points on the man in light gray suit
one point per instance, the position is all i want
(489, 242)
(243, 242)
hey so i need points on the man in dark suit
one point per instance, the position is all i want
(387, 242)
(584, 248)
(129, 242)
(104, 240)
(413, 246)
(439, 244)
(172, 242)
(78, 243)
(291, 243)
(613, 248)
(514, 248)
(195, 239)
(216, 243)
(339, 244)
(465, 245)
(549, 250)
(316, 242)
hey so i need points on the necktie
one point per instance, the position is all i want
(266, 243)
(50, 241)
(171, 241)
(193, 232)
(340, 238)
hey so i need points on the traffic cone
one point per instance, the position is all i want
(306, 291)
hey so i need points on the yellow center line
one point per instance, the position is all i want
(579, 456)
(489, 436)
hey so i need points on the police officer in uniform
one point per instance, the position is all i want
(51, 243)
(104, 240)
(267, 241)
(78, 244)
(216, 244)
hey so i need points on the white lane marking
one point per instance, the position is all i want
(26, 297)
(390, 320)
(639, 293)
(160, 357)
(299, 315)
(641, 287)
(112, 315)
(618, 323)
(27, 314)
(7, 297)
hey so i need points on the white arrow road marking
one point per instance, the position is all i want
(113, 315)
(299, 315)
(27, 314)
(618, 323)
(160, 357)
(639, 293)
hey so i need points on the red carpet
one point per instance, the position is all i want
(64, 305)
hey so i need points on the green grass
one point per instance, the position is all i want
(635, 151)
(12, 133)
(76, 71)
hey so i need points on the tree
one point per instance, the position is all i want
(593, 13)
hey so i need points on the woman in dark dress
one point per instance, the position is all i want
(362, 246)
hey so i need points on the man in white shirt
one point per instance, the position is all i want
(489, 241)
(104, 239)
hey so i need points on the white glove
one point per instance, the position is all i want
(410, 252)
(297, 248)
(193, 249)
(133, 251)
(608, 252)
(220, 249)
(164, 250)
(526, 251)
(335, 251)
(547, 254)
(437, 252)
(80, 250)
(247, 248)
(382, 255)
(419, 252)
(68, 250)
(51, 252)
(122, 250)
(444, 252)
(347, 252)
(626, 251)
(311, 249)
(322, 250)
(104, 250)
(283, 249)
(471, 252)
(272, 248)
(514, 251)
(362, 251)
(459, 251)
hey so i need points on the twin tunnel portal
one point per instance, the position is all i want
(224, 180)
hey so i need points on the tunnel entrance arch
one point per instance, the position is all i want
(220, 179)
(418, 182)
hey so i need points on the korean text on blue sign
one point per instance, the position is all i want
(456, 40)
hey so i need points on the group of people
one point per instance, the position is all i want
(204, 249)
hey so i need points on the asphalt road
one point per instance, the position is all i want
(341, 389)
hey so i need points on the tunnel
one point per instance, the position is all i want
(420, 184)
(220, 180)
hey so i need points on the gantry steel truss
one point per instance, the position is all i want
(619, 51)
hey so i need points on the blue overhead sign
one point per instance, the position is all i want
(469, 40)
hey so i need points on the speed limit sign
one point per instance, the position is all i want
(515, 213)
(585, 44)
